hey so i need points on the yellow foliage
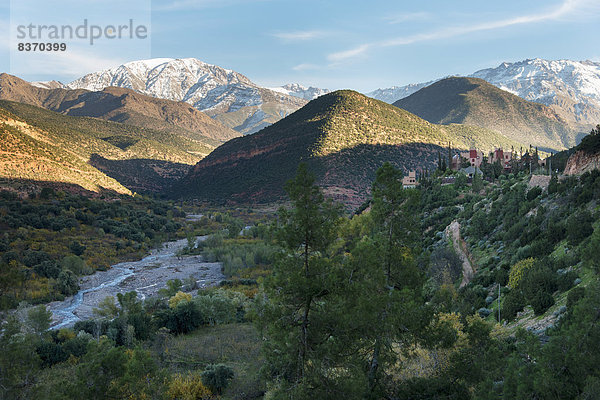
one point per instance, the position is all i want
(189, 387)
(518, 270)
(178, 298)
(65, 334)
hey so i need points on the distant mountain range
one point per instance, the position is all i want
(344, 136)
(473, 101)
(570, 88)
(121, 105)
(297, 90)
(223, 94)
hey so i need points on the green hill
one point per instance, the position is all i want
(344, 136)
(475, 102)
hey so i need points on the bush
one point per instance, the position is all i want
(67, 283)
(574, 296)
(579, 227)
(189, 387)
(518, 271)
(217, 377)
(534, 193)
(541, 301)
(511, 304)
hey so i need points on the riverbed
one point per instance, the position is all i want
(146, 276)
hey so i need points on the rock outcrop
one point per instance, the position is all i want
(581, 162)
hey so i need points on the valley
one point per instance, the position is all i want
(146, 277)
(170, 229)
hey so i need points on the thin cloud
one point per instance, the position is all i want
(298, 35)
(567, 8)
(72, 64)
(306, 67)
(405, 17)
(352, 53)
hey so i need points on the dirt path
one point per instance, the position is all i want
(463, 253)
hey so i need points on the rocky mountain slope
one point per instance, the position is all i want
(570, 88)
(473, 101)
(43, 147)
(223, 94)
(121, 105)
(344, 136)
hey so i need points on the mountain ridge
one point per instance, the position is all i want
(344, 136)
(119, 105)
(223, 94)
(571, 88)
(473, 101)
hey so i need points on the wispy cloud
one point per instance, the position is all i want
(352, 53)
(72, 64)
(299, 35)
(567, 8)
(405, 17)
(306, 67)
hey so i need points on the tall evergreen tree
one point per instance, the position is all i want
(393, 287)
(297, 319)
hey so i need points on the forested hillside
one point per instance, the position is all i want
(483, 288)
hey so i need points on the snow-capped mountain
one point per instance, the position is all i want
(303, 92)
(395, 93)
(571, 88)
(48, 84)
(223, 94)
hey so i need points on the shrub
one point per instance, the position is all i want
(178, 298)
(534, 193)
(574, 296)
(579, 227)
(217, 377)
(541, 301)
(511, 304)
(517, 272)
(189, 387)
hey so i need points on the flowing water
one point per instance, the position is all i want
(146, 276)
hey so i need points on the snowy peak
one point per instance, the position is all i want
(395, 93)
(303, 92)
(48, 84)
(570, 88)
(222, 93)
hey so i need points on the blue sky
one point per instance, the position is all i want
(333, 44)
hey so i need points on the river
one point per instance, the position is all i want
(146, 276)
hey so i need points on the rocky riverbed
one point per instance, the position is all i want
(146, 276)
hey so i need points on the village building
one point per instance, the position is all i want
(475, 157)
(410, 181)
(504, 158)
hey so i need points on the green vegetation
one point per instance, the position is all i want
(50, 240)
(343, 136)
(474, 102)
(322, 304)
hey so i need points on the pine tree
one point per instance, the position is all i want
(394, 280)
(296, 320)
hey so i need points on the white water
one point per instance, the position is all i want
(148, 276)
